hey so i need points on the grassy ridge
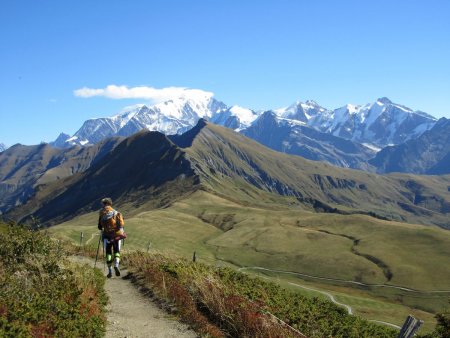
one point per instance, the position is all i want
(42, 294)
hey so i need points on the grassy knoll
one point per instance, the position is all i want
(346, 247)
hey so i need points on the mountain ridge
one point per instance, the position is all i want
(149, 169)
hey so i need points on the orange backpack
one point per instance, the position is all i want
(111, 220)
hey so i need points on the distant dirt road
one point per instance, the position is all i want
(347, 307)
(132, 315)
(329, 295)
(343, 280)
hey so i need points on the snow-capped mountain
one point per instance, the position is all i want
(171, 117)
(2, 147)
(380, 123)
(301, 111)
(296, 138)
(236, 118)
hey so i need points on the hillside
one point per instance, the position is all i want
(24, 168)
(238, 167)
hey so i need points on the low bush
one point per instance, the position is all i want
(44, 295)
(242, 306)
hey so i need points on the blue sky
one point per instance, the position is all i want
(255, 53)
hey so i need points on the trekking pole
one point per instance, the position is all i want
(98, 248)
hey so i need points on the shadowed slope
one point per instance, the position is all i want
(146, 167)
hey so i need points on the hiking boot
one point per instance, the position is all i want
(109, 275)
(116, 269)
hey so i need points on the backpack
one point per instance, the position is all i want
(111, 220)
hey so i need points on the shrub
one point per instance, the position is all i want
(43, 295)
(243, 306)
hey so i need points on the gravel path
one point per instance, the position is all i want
(132, 315)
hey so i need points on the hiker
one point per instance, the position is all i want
(110, 222)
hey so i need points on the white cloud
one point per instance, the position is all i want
(141, 92)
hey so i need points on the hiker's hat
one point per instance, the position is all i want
(107, 200)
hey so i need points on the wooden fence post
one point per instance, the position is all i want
(410, 327)
(194, 257)
(81, 239)
(149, 245)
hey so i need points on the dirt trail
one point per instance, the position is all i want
(132, 315)
(329, 295)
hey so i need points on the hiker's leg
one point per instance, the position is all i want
(116, 253)
(109, 256)
(117, 257)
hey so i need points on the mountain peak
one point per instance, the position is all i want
(268, 115)
(312, 103)
(384, 100)
(185, 140)
(60, 141)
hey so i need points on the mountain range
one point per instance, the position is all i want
(149, 170)
(348, 136)
(381, 123)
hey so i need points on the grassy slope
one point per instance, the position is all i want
(290, 239)
(226, 159)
